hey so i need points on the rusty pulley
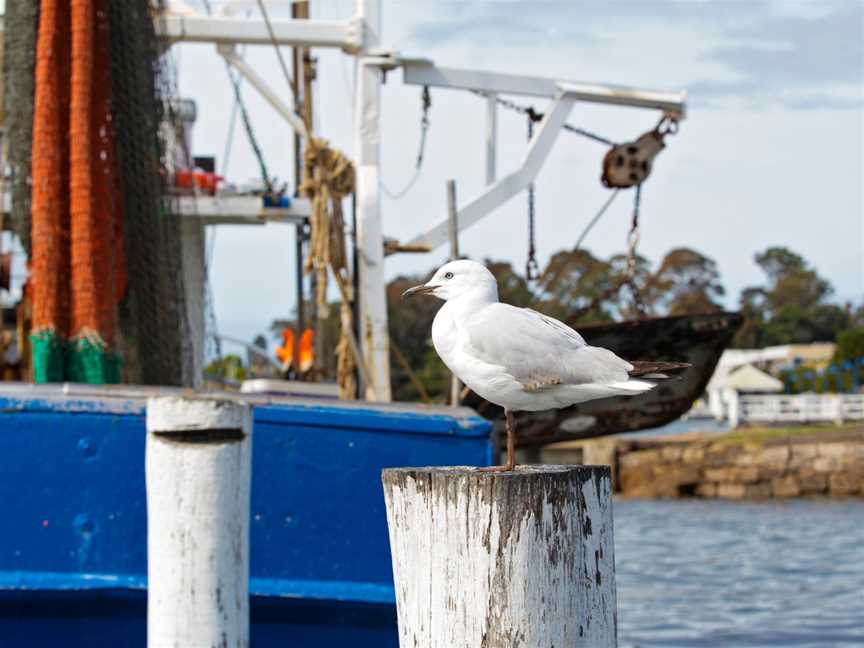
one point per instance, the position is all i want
(629, 164)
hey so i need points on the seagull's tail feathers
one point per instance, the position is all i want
(632, 387)
(645, 375)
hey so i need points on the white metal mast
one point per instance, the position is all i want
(374, 337)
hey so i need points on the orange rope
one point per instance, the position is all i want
(50, 226)
(83, 242)
(94, 230)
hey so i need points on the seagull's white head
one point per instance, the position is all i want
(457, 279)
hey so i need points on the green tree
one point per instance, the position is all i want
(572, 281)
(687, 282)
(850, 345)
(793, 307)
(229, 368)
(752, 308)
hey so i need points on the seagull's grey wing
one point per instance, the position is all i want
(538, 350)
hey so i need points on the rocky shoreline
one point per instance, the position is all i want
(827, 463)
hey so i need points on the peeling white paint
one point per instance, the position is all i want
(197, 524)
(503, 560)
(167, 414)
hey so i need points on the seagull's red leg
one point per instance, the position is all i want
(510, 424)
(511, 439)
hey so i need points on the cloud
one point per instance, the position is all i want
(760, 52)
(501, 23)
(803, 62)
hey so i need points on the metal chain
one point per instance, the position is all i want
(529, 110)
(426, 105)
(532, 268)
(632, 243)
(668, 125)
(426, 99)
(589, 135)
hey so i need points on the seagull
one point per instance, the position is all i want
(518, 358)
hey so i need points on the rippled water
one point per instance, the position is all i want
(730, 574)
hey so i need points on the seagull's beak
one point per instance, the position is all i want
(425, 289)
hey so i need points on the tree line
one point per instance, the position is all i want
(792, 305)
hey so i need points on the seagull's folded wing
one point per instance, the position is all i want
(538, 350)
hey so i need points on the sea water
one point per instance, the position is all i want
(734, 574)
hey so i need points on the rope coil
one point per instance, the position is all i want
(330, 177)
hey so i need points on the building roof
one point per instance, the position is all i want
(748, 378)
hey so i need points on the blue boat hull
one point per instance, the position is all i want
(73, 561)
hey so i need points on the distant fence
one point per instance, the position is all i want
(799, 408)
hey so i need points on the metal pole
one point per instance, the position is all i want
(355, 288)
(491, 136)
(453, 224)
(192, 245)
(198, 473)
(303, 74)
(296, 74)
(373, 296)
(301, 307)
(525, 558)
(453, 230)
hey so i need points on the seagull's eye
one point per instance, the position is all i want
(448, 275)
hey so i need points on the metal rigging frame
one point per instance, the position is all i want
(360, 36)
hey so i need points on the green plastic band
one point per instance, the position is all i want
(47, 357)
(91, 363)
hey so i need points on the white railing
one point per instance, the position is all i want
(800, 408)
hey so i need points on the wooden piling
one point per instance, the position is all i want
(502, 560)
(198, 471)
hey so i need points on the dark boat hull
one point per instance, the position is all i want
(697, 339)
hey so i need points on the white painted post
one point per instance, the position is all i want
(491, 136)
(733, 407)
(521, 558)
(836, 402)
(194, 286)
(198, 472)
(374, 337)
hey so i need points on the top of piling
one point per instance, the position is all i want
(527, 469)
(167, 414)
(532, 471)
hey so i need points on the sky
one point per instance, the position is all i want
(771, 152)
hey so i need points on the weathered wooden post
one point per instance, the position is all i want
(198, 471)
(501, 560)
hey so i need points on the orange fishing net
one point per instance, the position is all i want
(50, 227)
(78, 268)
(93, 241)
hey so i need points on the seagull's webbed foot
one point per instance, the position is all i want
(496, 469)
(510, 424)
